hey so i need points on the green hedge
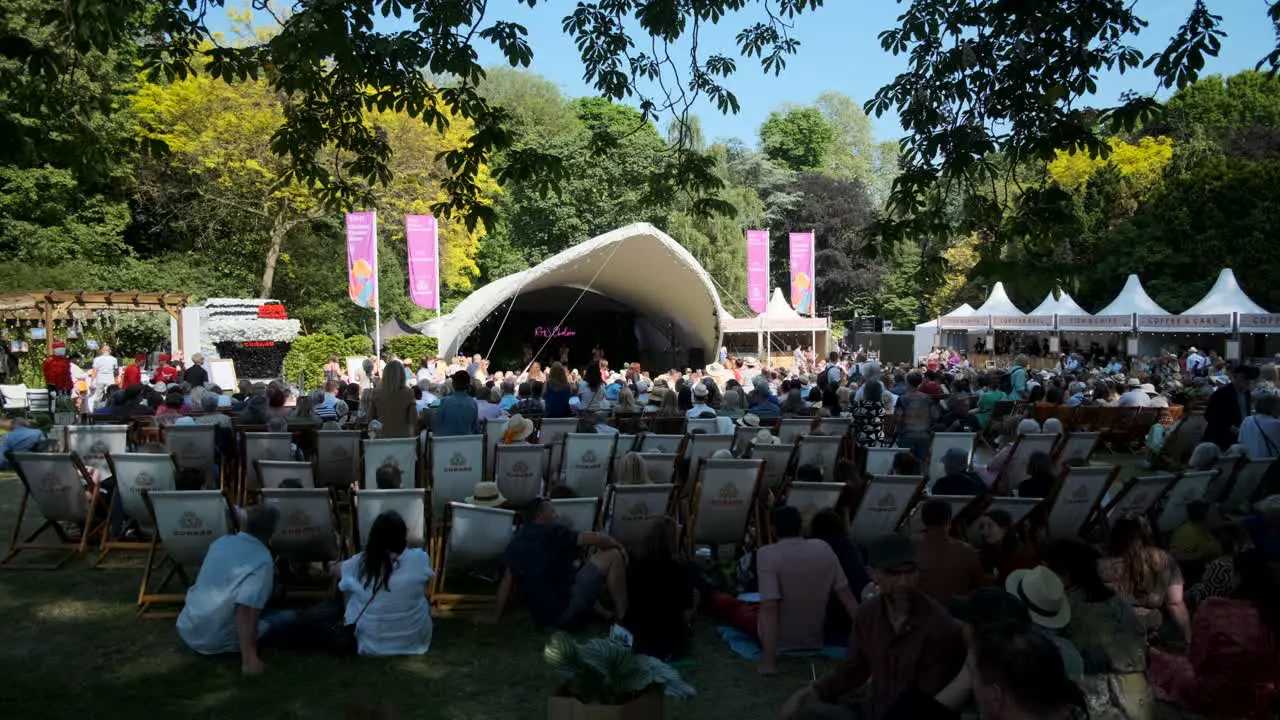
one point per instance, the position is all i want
(412, 348)
(309, 353)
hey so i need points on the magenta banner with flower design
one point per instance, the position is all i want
(422, 238)
(802, 272)
(758, 270)
(362, 258)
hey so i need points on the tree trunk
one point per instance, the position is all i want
(279, 228)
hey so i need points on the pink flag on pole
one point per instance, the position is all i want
(362, 258)
(758, 270)
(422, 237)
(802, 272)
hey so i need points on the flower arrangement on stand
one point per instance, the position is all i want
(255, 333)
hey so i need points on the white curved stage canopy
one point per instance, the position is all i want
(638, 266)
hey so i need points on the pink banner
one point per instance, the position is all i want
(802, 272)
(758, 270)
(362, 258)
(422, 237)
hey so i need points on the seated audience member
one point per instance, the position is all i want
(1145, 576)
(1260, 432)
(958, 480)
(959, 416)
(20, 438)
(1017, 674)
(542, 559)
(905, 463)
(385, 588)
(1234, 659)
(530, 399)
(1041, 590)
(661, 596)
(222, 613)
(189, 478)
(632, 470)
(990, 472)
(1263, 527)
(457, 413)
(1219, 578)
(1204, 457)
(948, 568)
(901, 641)
(388, 477)
(519, 431)
(796, 576)
(1193, 542)
(1107, 632)
(1040, 478)
(1002, 549)
(829, 527)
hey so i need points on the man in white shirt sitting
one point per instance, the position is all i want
(223, 610)
(700, 394)
(1135, 396)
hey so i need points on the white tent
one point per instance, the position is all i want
(1225, 297)
(1006, 316)
(1067, 305)
(1132, 300)
(959, 321)
(779, 308)
(1048, 306)
(998, 303)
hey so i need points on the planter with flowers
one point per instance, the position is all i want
(255, 333)
(603, 679)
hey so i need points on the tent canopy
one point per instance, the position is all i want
(1225, 296)
(1048, 307)
(1067, 305)
(998, 303)
(965, 310)
(779, 308)
(1133, 299)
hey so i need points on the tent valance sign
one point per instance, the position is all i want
(1185, 323)
(1260, 322)
(1096, 323)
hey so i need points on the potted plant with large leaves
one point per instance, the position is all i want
(603, 679)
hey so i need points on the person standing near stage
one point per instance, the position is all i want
(57, 369)
(105, 368)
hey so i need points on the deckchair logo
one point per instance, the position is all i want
(458, 463)
(340, 453)
(144, 480)
(639, 511)
(520, 469)
(886, 503)
(728, 495)
(299, 522)
(1081, 494)
(191, 525)
(54, 484)
(589, 461)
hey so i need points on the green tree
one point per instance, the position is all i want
(854, 153)
(798, 139)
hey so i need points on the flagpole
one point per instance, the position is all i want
(435, 250)
(813, 286)
(377, 292)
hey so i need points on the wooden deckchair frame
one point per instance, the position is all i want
(560, 473)
(695, 499)
(107, 543)
(148, 597)
(1094, 514)
(1104, 513)
(18, 544)
(324, 589)
(451, 604)
(912, 500)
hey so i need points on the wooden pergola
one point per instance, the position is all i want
(51, 305)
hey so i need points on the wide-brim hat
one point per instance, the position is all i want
(1041, 590)
(1148, 388)
(764, 437)
(519, 428)
(748, 420)
(1133, 383)
(486, 494)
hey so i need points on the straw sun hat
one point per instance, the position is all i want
(486, 494)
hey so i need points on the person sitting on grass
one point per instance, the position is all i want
(948, 567)
(223, 610)
(542, 560)
(661, 596)
(385, 588)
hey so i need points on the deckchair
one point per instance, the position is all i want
(789, 429)
(1075, 446)
(400, 453)
(777, 465)
(742, 437)
(585, 463)
(411, 503)
(275, 472)
(552, 434)
(1138, 496)
(187, 522)
(520, 472)
(960, 506)
(93, 442)
(811, 499)
(820, 450)
(703, 446)
(1077, 499)
(476, 538)
(632, 510)
(56, 438)
(724, 497)
(194, 446)
(337, 458)
(835, 426)
(307, 532)
(880, 460)
(1248, 479)
(1014, 471)
(1191, 486)
(706, 425)
(1225, 468)
(457, 464)
(255, 446)
(1018, 508)
(57, 483)
(652, 442)
(661, 467)
(136, 474)
(886, 500)
(493, 431)
(626, 443)
(579, 513)
(942, 443)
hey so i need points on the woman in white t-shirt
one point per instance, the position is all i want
(385, 587)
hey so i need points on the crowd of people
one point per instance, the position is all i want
(937, 622)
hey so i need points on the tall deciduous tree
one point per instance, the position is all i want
(799, 138)
(854, 153)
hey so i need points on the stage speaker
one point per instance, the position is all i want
(697, 358)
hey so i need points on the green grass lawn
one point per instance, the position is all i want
(70, 647)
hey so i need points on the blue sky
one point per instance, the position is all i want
(839, 51)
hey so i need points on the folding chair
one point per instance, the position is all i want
(1225, 468)
(475, 539)
(552, 434)
(39, 401)
(1019, 509)
(58, 483)
(1247, 481)
(626, 443)
(400, 453)
(880, 460)
(668, 426)
(742, 437)
(57, 435)
(632, 510)
(1191, 486)
(411, 503)
(942, 443)
(777, 465)
(1014, 471)
(457, 464)
(835, 426)
(1139, 425)
(1075, 446)
(520, 472)
(493, 431)
(93, 442)
(585, 463)
(724, 498)
(661, 467)
(187, 522)
(255, 446)
(194, 446)
(136, 474)
(960, 506)
(275, 472)
(706, 425)
(1077, 499)
(578, 513)
(651, 442)
(1113, 425)
(307, 532)
(820, 450)
(789, 429)
(811, 499)
(884, 504)
(337, 458)
(1138, 496)
(703, 446)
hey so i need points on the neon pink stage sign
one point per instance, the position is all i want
(554, 331)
